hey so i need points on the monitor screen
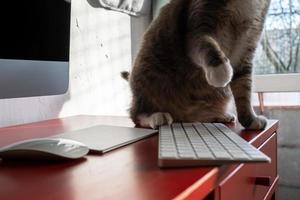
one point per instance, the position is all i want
(35, 30)
(34, 47)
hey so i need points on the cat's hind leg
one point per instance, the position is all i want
(206, 53)
(154, 120)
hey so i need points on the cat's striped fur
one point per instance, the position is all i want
(193, 57)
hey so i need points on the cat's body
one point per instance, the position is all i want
(193, 55)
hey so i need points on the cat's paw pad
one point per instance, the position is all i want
(219, 76)
(259, 123)
(158, 119)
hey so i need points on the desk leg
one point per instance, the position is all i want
(275, 194)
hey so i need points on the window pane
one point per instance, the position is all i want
(279, 48)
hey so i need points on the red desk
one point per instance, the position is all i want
(131, 172)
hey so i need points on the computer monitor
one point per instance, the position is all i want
(34, 47)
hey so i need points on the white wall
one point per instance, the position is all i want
(100, 49)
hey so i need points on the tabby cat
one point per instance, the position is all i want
(194, 56)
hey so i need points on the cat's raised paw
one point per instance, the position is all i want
(220, 75)
(259, 123)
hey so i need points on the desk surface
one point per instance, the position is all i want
(130, 172)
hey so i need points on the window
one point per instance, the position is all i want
(277, 60)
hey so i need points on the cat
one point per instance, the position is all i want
(194, 56)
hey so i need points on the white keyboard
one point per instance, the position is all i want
(203, 144)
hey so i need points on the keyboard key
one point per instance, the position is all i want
(169, 155)
(204, 155)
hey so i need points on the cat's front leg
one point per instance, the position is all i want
(206, 53)
(241, 88)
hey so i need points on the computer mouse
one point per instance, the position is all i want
(44, 149)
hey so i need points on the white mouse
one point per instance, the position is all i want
(44, 149)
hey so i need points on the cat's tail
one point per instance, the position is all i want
(125, 75)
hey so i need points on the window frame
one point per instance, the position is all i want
(276, 83)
